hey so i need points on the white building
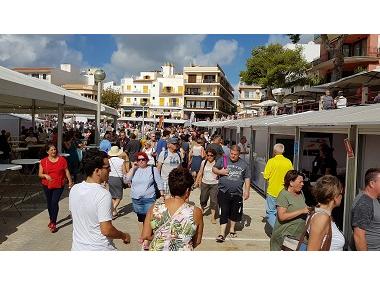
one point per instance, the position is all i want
(248, 95)
(160, 92)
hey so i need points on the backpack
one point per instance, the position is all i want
(156, 190)
(166, 153)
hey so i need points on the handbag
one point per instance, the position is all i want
(157, 191)
(124, 185)
(293, 244)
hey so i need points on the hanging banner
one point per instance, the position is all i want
(349, 150)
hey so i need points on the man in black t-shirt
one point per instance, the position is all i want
(216, 145)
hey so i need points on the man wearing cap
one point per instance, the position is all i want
(167, 161)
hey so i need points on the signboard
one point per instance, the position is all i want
(349, 150)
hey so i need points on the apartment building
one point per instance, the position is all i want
(207, 93)
(66, 76)
(248, 95)
(159, 92)
(361, 52)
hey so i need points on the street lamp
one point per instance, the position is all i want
(143, 104)
(99, 76)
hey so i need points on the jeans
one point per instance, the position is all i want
(271, 212)
(52, 198)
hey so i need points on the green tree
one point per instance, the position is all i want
(295, 38)
(111, 98)
(275, 67)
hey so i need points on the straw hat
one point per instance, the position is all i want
(115, 151)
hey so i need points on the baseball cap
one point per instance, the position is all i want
(173, 140)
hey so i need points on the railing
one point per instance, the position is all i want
(371, 51)
(201, 81)
(201, 93)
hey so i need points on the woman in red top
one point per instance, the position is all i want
(53, 171)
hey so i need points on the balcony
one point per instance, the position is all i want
(371, 54)
(199, 93)
(200, 81)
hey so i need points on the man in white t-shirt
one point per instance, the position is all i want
(167, 161)
(244, 150)
(90, 205)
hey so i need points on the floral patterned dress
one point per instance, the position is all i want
(175, 232)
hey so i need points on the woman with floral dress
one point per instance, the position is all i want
(174, 224)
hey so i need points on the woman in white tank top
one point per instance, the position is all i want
(328, 192)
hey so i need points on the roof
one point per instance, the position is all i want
(18, 90)
(356, 115)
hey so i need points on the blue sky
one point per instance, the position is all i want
(126, 55)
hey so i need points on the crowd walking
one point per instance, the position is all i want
(161, 169)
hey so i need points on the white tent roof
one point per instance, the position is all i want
(151, 120)
(18, 90)
(356, 115)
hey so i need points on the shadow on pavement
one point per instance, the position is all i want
(10, 219)
(125, 210)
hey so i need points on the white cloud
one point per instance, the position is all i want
(137, 53)
(284, 39)
(37, 50)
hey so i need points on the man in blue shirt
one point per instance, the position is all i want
(105, 144)
(162, 143)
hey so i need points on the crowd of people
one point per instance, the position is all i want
(162, 167)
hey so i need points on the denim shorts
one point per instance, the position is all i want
(142, 205)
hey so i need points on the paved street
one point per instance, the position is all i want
(30, 231)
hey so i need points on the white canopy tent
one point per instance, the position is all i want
(23, 94)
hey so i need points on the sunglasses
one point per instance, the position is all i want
(210, 155)
(141, 159)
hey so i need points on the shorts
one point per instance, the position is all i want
(115, 187)
(230, 207)
(142, 205)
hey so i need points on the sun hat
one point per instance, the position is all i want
(115, 151)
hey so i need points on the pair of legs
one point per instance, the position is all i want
(52, 199)
(116, 190)
(141, 207)
(209, 191)
(270, 209)
(230, 210)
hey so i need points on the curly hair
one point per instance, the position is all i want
(180, 180)
(141, 153)
(326, 188)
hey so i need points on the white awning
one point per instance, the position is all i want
(18, 90)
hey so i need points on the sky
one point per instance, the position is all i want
(127, 55)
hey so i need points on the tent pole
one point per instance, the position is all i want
(34, 114)
(60, 128)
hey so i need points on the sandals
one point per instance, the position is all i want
(220, 238)
(233, 234)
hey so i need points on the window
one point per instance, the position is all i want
(162, 101)
(180, 89)
(129, 100)
(35, 75)
(346, 50)
(135, 99)
(209, 79)
(145, 89)
(146, 77)
(192, 78)
(129, 87)
(44, 76)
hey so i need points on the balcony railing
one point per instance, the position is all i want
(201, 93)
(201, 81)
(371, 52)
